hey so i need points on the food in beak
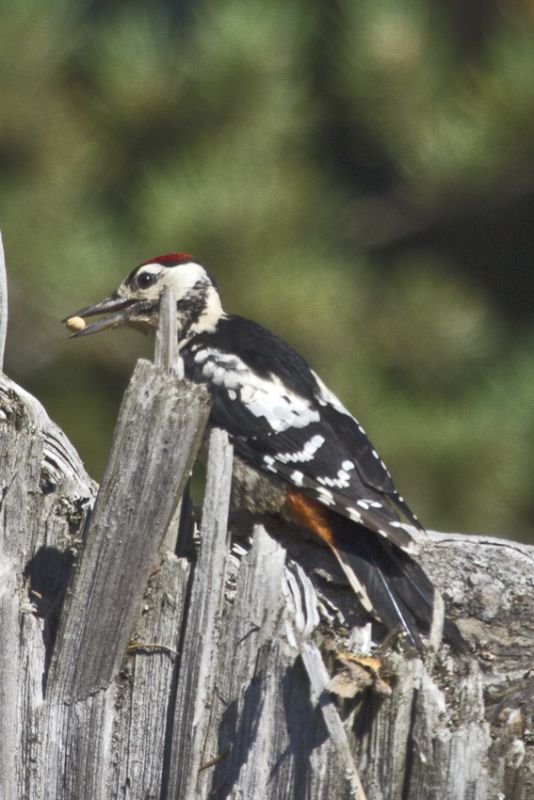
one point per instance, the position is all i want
(75, 324)
(117, 310)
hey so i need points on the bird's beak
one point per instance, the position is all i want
(122, 310)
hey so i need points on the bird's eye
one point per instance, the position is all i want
(146, 279)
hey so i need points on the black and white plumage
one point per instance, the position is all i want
(299, 452)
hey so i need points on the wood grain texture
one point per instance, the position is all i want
(226, 691)
(3, 303)
(166, 347)
(202, 628)
(44, 495)
(147, 682)
(158, 434)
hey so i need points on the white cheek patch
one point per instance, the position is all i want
(182, 278)
(179, 279)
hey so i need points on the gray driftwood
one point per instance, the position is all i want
(3, 303)
(142, 485)
(230, 671)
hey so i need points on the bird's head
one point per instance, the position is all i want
(136, 301)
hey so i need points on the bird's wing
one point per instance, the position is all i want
(284, 421)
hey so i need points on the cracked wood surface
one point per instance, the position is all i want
(222, 694)
(142, 484)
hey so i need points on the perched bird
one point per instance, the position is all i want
(298, 451)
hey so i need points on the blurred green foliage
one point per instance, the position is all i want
(359, 176)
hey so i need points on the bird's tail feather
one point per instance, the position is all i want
(391, 585)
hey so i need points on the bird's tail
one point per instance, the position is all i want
(390, 584)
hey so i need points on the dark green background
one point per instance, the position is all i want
(360, 177)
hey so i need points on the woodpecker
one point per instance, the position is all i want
(299, 452)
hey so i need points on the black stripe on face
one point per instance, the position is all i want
(194, 303)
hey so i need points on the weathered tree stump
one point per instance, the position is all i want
(127, 671)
